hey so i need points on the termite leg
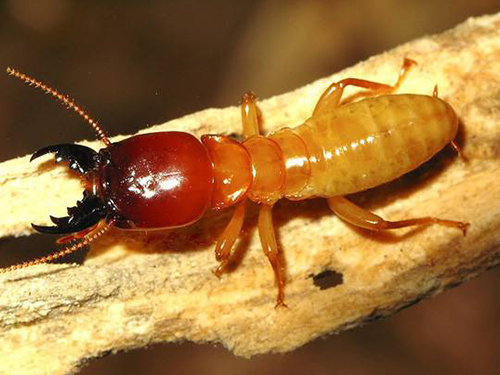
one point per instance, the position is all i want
(362, 218)
(225, 243)
(331, 97)
(249, 115)
(228, 238)
(270, 247)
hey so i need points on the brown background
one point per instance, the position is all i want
(134, 63)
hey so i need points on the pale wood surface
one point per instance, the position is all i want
(134, 290)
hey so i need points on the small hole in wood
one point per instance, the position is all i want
(327, 279)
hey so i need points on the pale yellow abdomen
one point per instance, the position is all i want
(367, 143)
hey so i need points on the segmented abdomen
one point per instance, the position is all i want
(367, 143)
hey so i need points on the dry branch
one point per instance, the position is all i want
(134, 290)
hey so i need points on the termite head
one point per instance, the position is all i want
(156, 180)
(149, 181)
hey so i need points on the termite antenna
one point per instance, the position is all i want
(67, 250)
(64, 99)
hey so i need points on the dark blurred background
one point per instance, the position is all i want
(135, 63)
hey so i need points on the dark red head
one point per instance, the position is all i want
(158, 180)
(149, 181)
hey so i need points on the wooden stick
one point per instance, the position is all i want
(136, 289)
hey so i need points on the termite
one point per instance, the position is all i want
(170, 179)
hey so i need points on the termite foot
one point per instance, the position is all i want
(455, 224)
(463, 227)
(280, 304)
(219, 270)
(248, 97)
(458, 150)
